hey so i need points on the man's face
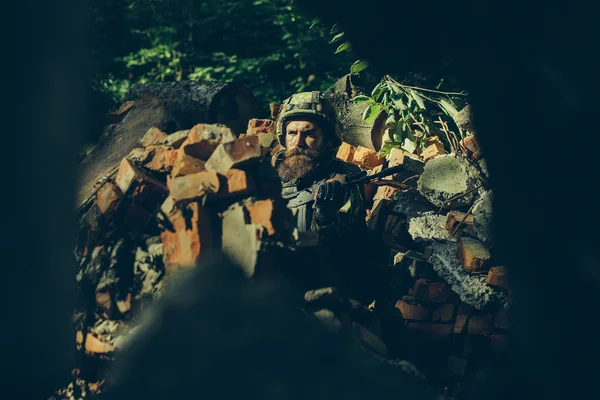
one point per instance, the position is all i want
(303, 134)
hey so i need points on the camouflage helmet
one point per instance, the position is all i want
(310, 104)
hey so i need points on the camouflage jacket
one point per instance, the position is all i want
(352, 214)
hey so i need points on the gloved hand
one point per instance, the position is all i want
(331, 196)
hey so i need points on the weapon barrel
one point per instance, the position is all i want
(379, 175)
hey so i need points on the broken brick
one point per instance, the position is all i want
(473, 255)
(412, 311)
(376, 219)
(211, 132)
(431, 291)
(456, 220)
(469, 145)
(428, 331)
(346, 152)
(501, 319)
(444, 313)
(160, 158)
(434, 148)
(175, 140)
(235, 154)
(460, 323)
(185, 164)
(104, 300)
(498, 277)
(128, 173)
(108, 199)
(256, 126)
(152, 137)
(457, 366)
(192, 235)
(193, 186)
(237, 182)
(396, 157)
(269, 214)
(385, 192)
(480, 325)
(366, 158)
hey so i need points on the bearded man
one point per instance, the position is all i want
(308, 129)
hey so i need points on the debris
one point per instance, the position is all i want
(411, 310)
(498, 277)
(346, 152)
(443, 313)
(473, 255)
(237, 153)
(366, 158)
(152, 136)
(428, 226)
(193, 186)
(482, 217)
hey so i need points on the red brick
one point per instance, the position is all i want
(175, 140)
(431, 291)
(108, 199)
(444, 314)
(501, 319)
(396, 157)
(428, 331)
(129, 174)
(378, 215)
(455, 218)
(457, 366)
(366, 158)
(474, 256)
(185, 164)
(153, 136)
(480, 325)
(346, 152)
(385, 192)
(212, 132)
(193, 234)
(412, 311)
(262, 213)
(237, 182)
(160, 158)
(433, 150)
(498, 276)
(235, 154)
(193, 186)
(460, 323)
(469, 145)
(256, 126)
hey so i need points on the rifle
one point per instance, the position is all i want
(359, 178)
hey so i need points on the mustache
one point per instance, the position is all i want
(307, 152)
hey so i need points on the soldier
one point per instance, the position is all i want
(308, 129)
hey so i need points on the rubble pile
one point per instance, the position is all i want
(448, 295)
(168, 203)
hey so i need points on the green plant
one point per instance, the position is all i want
(413, 114)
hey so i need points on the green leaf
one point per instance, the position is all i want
(335, 29)
(371, 113)
(343, 47)
(391, 120)
(386, 148)
(378, 91)
(448, 108)
(358, 66)
(399, 105)
(314, 22)
(363, 99)
(418, 99)
(337, 38)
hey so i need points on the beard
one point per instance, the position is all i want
(297, 163)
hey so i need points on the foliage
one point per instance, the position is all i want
(413, 114)
(266, 45)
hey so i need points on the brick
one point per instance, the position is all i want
(469, 145)
(465, 309)
(498, 276)
(193, 234)
(501, 319)
(457, 366)
(160, 158)
(235, 154)
(434, 148)
(211, 132)
(370, 190)
(428, 331)
(366, 158)
(455, 218)
(108, 199)
(185, 164)
(460, 323)
(274, 217)
(256, 126)
(474, 256)
(385, 192)
(104, 301)
(137, 155)
(346, 152)
(499, 343)
(444, 314)
(194, 186)
(379, 213)
(266, 139)
(176, 139)
(396, 157)
(129, 174)
(152, 137)
(412, 311)
(480, 325)
(431, 292)
(237, 182)
(201, 149)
